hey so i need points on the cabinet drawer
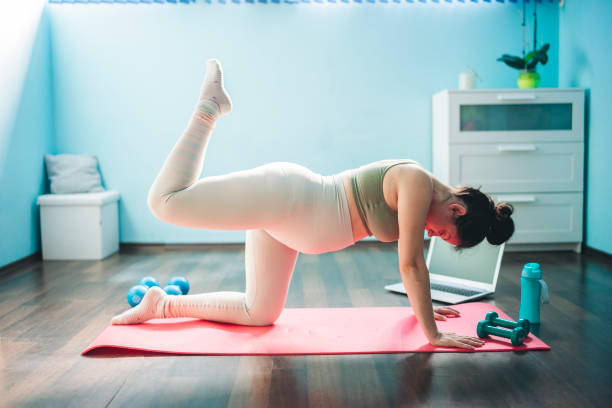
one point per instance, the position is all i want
(540, 218)
(512, 167)
(521, 115)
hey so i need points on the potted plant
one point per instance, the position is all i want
(528, 77)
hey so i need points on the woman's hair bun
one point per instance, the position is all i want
(503, 210)
(483, 218)
(502, 226)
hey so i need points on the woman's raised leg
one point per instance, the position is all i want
(269, 266)
(241, 200)
(184, 163)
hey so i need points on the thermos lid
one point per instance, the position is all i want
(532, 270)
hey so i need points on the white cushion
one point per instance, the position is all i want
(73, 173)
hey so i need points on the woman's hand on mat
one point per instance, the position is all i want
(446, 339)
(440, 312)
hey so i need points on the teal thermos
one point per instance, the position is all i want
(534, 292)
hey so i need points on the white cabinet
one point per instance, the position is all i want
(79, 226)
(522, 146)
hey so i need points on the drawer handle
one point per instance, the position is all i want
(516, 148)
(516, 97)
(517, 199)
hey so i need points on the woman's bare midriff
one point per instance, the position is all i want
(389, 192)
(359, 230)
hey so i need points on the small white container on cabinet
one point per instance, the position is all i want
(79, 226)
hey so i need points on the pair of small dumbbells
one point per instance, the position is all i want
(176, 286)
(518, 330)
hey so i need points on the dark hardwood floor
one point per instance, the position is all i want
(50, 311)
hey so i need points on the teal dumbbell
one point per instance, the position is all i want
(494, 320)
(516, 335)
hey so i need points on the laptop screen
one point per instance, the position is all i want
(477, 264)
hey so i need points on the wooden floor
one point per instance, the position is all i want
(50, 311)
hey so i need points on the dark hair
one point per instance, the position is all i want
(482, 219)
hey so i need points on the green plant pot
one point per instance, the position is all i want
(528, 79)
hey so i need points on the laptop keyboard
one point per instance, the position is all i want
(452, 289)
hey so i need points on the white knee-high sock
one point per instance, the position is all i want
(228, 307)
(184, 163)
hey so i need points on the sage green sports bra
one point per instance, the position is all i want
(367, 181)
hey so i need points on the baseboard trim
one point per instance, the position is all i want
(535, 247)
(135, 247)
(21, 263)
(606, 257)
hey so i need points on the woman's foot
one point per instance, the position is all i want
(151, 306)
(212, 89)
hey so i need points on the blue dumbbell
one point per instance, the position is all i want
(148, 281)
(516, 335)
(135, 294)
(494, 320)
(181, 283)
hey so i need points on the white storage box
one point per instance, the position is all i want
(79, 226)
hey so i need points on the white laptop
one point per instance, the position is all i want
(460, 276)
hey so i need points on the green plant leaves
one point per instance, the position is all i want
(512, 61)
(534, 57)
(530, 61)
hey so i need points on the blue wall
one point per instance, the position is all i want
(328, 86)
(28, 135)
(586, 61)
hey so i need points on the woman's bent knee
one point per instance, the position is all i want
(160, 207)
(156, 205)
(263, 317)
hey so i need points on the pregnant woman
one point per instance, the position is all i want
(286, 209)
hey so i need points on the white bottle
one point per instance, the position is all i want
(467, 79)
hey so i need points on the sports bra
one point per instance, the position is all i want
(378, 218)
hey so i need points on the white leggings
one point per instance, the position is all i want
(285, 208)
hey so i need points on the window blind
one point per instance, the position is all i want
(286, 1)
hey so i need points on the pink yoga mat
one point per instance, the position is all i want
(307, 331)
